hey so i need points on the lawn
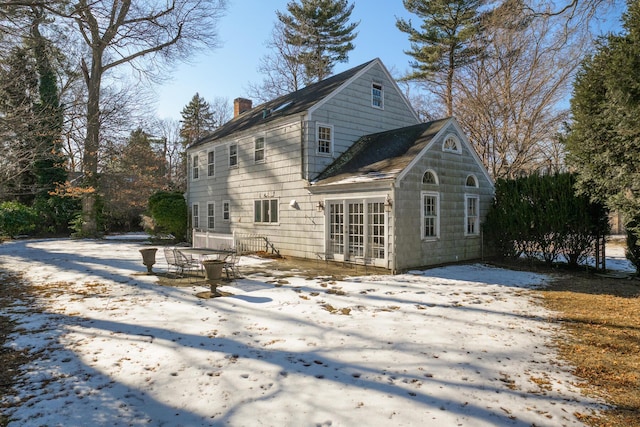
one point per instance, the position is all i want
(460, 345)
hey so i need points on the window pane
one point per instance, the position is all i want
(257, 211)
(274, 211)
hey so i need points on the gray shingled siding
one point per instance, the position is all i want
(351, 114)
(452, 244)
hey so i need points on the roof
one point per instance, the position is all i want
(291, 104)
(380, 156)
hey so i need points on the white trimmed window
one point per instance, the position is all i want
(452, 144)
(211, 163)
(195, 216)
(195, 167)
(233, 155)
(377, 95)
(471, 216)
(430, 177)
(471, 181)
(325, 139)
(258, 152)
(265, 211)
(430, 209)
(226, 211)
(211, 216)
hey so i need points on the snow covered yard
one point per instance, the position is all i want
(461, 345)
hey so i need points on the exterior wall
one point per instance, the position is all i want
(291, 158)
(452, 244)
(351, 114)
(299, 230)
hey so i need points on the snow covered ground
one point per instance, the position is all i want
(462, 345)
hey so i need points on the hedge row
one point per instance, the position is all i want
(541, 217)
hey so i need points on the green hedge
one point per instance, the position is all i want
(541, 217)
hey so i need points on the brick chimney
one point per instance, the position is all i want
(240, 105)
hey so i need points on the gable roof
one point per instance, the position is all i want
(381, 156)
(293, 103)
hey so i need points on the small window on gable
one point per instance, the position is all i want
(325, 139)
(472, 181)
(430, 177)
(377, 95)
(451, 144)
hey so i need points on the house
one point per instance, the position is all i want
(340, 170)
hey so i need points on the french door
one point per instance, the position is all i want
(357, 229)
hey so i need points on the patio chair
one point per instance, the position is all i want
(179, 263)
(172, 262)
(231, 265)
(186, 263)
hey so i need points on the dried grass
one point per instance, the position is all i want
(602, 318)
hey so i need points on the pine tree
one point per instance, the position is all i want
(443, 44)
(197, 120)
(604, 142)
(322, 30)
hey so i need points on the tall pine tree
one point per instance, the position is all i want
(604, 142)
(444, 42)
(322, 30)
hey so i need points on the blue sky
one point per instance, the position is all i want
(227, 71)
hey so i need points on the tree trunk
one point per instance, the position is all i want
(93, 79)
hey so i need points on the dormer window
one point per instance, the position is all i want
(452, 144)
(377, 95)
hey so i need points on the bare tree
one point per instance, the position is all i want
(282, 73)
(510, 100)
(143, 34)
(168, 131)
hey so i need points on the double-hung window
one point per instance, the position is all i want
(472, 217)
(377, 95)
(211, 218)
(226, 211)
(325, 139)
(258, 153)
(233, 155)
(265, 211)
(430, 215)
(195, 167)
(195, 216)
(211, 160)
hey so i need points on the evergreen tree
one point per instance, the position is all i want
(49, 166)
(444, 42)
(18, 95)
(197, 120)
(321, 29)
(604, 142)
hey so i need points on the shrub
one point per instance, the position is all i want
(169, 213)
(542, 217)
(17, 219)
(633, 244)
